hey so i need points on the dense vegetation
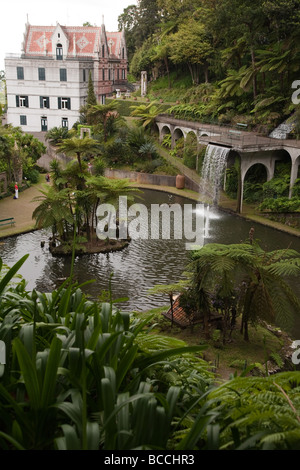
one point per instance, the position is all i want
(242, 57)
(69, 204)
(81, 375)
(19, 153)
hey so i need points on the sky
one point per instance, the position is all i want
(66, 12)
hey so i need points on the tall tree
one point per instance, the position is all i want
(259, 278)
(91, 97)
(191, 46)
(104, 115)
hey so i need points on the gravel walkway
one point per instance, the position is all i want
(21, 209)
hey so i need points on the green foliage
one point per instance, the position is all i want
(244, 63)
(57, 134)
(244, 279)
(82, 375)
(231, 186)
(146, 113)
(262, 412)
(32, 175)
(277, 187)
(91, 97)
(99, 166)
(282, 204)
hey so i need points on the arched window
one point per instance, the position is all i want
(59, 52)
(123, 53)
(103, 50)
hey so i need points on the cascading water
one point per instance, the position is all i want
(213, 169)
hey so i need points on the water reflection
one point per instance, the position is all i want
(141, 265)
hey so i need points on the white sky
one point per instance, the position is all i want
(66, 12)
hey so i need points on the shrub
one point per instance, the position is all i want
(283, 204)
(277, 187)
(32, 175)
(99, 166)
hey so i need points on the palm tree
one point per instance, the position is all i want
(75, 146)
(54, 211)
(147, 113)
(258, 278)
(57, 134)
(99, 188)
(105, 115)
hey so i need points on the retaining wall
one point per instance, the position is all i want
(148, 178)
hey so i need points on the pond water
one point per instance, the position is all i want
(142, 264)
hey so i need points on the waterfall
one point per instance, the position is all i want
(213, 169)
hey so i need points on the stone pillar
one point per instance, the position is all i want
(294, 173)
(143, 84)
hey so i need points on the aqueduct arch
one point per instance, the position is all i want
(251, 148)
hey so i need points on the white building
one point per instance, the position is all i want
(48, 83)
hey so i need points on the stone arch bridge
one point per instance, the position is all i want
(250, 147)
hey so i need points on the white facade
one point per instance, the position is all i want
(48, 82)
(37, 105)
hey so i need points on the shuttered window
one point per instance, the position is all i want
(22, 101)
(20, 73)
(64, 103)
(23, 120)
(63, 75)
(59, 52)
(44, 102)
(42, 74)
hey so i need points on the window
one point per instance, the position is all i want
(42, 74)
(84, 75)
(64, 103)
(103, 74)
(123, 74)
(20, 73)
(44, 124)
(103, 54)
(123, 53)
(64, 123)
(23, 120)
(63, 75)
(59, 52)
(44, 102)
(22, 101)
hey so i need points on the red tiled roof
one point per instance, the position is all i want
(84, 39)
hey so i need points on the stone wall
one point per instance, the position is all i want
(148, 178)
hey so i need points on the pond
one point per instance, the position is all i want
(142, 264)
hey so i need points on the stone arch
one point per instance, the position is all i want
(163, 129)
(177, 134)
(191, 137)
(245, 167)
(191, 133)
